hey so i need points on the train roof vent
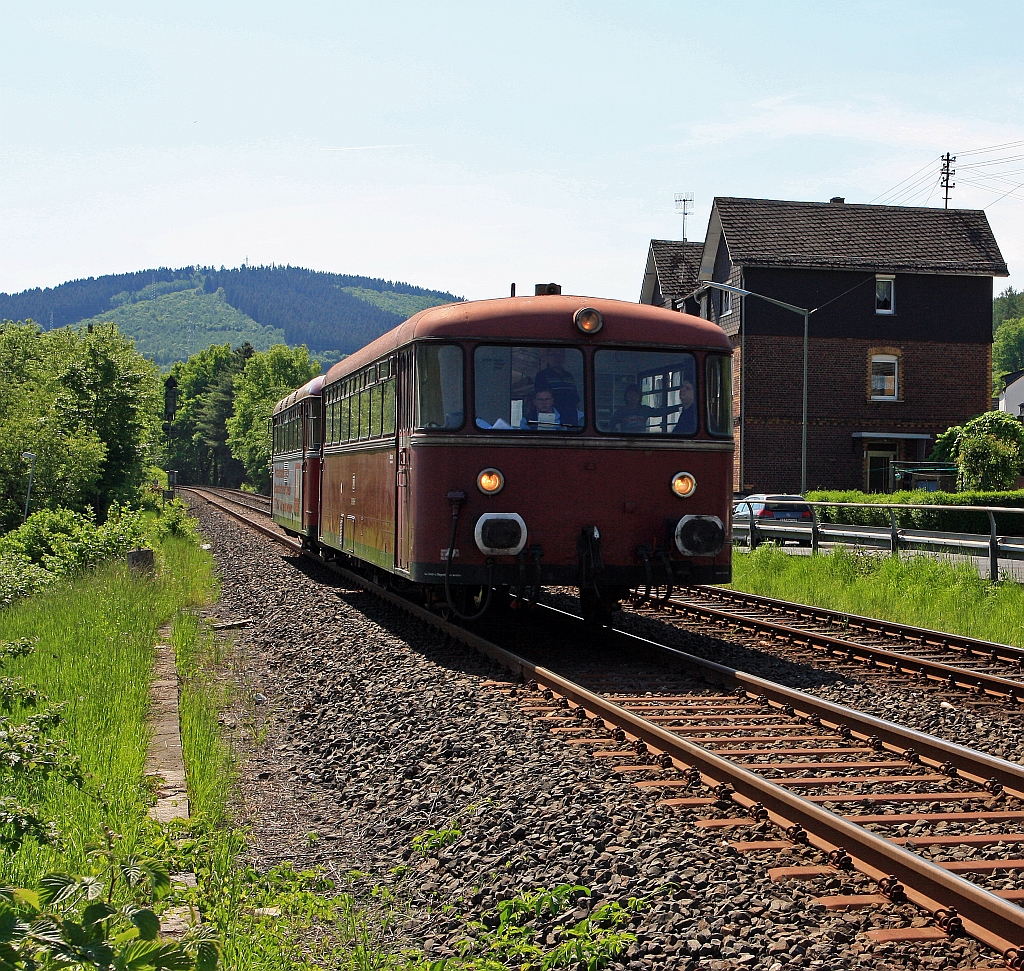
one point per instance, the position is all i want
(547, 289)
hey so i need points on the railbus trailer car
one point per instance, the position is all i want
(524, 442)
(296, 453)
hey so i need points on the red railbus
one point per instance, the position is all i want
(524, 442)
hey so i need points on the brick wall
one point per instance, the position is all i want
(940, 384)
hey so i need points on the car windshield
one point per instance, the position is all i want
(529, 388)
(645, 392)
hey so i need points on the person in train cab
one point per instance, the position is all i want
(544, 416)
(686, 424)
(634, 417)
(556, 379)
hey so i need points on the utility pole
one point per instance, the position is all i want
(947, 173)
(684, 206)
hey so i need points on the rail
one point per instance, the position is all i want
(894, 538)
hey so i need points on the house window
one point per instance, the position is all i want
(884, 377)
(885, 296)
(726, 303)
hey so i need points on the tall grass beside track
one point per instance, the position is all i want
(918, 590)
(94, 648)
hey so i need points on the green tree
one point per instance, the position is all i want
(1009, 305)
(106, 385)
(988, 450)
(1008, 350)
(85, 405)
(196, 438)
(268, 377)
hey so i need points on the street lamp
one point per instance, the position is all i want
(728, 288)
(29, 457)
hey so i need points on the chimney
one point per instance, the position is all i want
(546, 289)
(837, 199)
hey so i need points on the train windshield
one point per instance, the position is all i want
(645, 392)
(538, 389)
(439, 386)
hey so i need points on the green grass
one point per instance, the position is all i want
(917, 590)
(209, 759)
(94, 639)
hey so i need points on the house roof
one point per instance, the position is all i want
(1012, 378)
(834, 235)
(672, 268)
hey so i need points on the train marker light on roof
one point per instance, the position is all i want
(490, 482)
(684, 485)
(588, 320)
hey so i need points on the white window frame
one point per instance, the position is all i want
(886, 359)
(889, 278)
(726, 304)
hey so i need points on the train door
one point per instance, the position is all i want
(311, 467)
(403, 517)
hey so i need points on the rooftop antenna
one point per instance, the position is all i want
(684, 206)
(947, 172)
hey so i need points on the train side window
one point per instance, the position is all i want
(645, 392)
(718, 385)
(364, 414)
(529, 388)
(388, 415)
(439, 384)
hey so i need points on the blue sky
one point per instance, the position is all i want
(466, 145)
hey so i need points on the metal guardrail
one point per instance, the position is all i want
(893, 539)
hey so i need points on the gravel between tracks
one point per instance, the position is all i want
(358, 724)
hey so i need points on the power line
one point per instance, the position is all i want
(993, 148)
(907, 179)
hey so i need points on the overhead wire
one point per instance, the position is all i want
(907, 179)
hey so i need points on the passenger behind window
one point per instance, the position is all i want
(543, 415)
(686, 424)
(555, 378)
(634, 417)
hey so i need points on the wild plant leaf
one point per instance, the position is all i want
(97, 911)
(22, 895)
(207, 956)
(57, 888)
(147, 922)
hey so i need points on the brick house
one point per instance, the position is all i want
(900, 334)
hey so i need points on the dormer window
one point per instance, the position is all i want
(726, 304)
(885, 295)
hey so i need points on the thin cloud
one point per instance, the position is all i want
(366, 148)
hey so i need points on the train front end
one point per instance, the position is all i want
(569, 442)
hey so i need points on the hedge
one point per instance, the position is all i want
(953, 521)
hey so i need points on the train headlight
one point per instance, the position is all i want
(490, 482)
(699, 535)
(684, 485)
(588, 320)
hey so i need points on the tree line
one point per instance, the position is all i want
(89, 417)
(309, 306)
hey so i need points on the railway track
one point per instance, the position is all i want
(926, 821)
(983, 668)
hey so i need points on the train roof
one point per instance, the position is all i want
(542, 318)
(311, 389)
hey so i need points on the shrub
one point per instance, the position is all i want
(63, 541)
(953, 521)
(20, 577)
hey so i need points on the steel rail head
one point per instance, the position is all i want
(955, 677)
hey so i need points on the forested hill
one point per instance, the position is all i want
(171, 313)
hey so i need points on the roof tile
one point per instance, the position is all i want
(770, 232)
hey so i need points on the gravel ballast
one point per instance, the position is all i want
(361, 729)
